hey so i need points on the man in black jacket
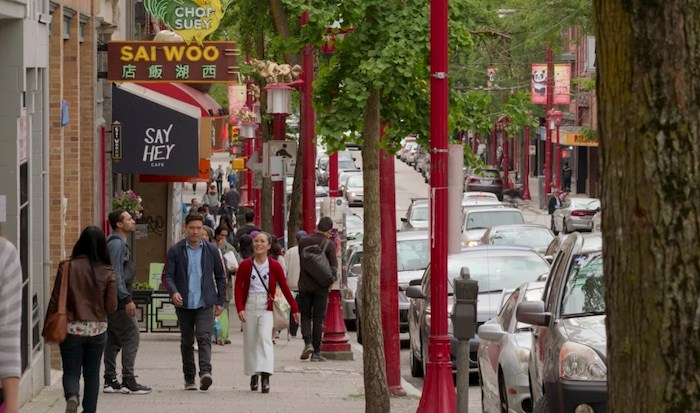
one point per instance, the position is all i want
(245, 229)
(313, 296)
(195, 278)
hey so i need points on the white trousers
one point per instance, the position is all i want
(258, 352)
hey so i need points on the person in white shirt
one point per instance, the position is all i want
(291, 260)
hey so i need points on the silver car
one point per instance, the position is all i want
(412, 258)
(575, 215)
(351, 272)
(536, 237)
(355, 190)
(568, 357)
(486, 180)
(477, 220)
(504, 354)
(417, 215)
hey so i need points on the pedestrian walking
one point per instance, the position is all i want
(233, 179)
(92, 294)
(246, 246)
(211, 198)
(194, 277)
(566, 173)
(313, 288)
(208, 218)
(10, 325)
(219, 178)
(231, 260)
(257, 280)
(247, 228)
(123, 327)
(291, 260)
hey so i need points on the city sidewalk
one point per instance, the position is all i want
(335, 386)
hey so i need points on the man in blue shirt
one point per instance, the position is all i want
(194, 275)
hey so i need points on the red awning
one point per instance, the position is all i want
(187, 94)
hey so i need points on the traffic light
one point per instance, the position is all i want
(237, 149)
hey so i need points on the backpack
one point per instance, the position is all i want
(315, 262)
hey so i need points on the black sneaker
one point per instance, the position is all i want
(205, 382)
(131, 387)
(112, 386)
(308, 349)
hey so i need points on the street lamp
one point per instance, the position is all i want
(279, 105)
(555, 122)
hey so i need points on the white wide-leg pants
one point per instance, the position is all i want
(258, 352)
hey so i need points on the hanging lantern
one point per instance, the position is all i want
(247, 129)
(279, 99)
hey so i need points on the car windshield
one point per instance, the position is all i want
(584, 293)
(355, 181)
(497, 271)
(420, 213)
(412, 254)
(346, 164)
(584, 203)
(487, 219)
(529, 237)
(488, 173)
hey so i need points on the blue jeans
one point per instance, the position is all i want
(84, 353)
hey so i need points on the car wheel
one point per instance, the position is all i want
(541, 406)
(502, 392)
(358, 325)
(350, 325)
(416, 365)
(564, 227)
(481, 389)
(423, 357)
(554, 227)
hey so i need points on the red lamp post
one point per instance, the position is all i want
(438, 392)
(308, 174)
(279, 105)
(548, 107)
(555, 118)
(526, 181)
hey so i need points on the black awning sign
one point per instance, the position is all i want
(155, 139)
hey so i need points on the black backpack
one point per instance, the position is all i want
(315, 262)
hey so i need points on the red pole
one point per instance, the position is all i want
(526, 180)
(557, 162)
(103, 178)
(308, 203)
(506, 178)
(388, 282)
(256, 192)
(548, 108)
(278, 130)
(438, 392)
(333, 175)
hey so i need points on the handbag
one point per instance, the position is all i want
(280, 319)
(56, 324)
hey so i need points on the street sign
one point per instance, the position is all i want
(287, 150)
(116, 141)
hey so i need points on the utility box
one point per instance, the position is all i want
(464, 310)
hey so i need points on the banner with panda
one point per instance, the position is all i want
(562, 84)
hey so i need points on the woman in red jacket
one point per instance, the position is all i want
(257, 279)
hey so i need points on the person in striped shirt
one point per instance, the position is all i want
(10, 324)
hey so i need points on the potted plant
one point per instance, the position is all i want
(128, 201)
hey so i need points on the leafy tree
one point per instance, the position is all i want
(649, 96)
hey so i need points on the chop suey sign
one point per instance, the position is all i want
(191, 19)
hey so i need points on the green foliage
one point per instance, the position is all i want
(219, 91)
(584, 84)
(518, 110)
(588, 135)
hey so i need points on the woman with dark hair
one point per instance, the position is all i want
(257, 280)
(225, 221)
(92, 293)
(246, 244)
(276, 252)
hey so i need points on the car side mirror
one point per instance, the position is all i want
(491, 332)
(356, 270)
(414, 291)
(532, 312)
(549, 258)
(414, 282)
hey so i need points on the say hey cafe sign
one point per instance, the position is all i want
(145, 61)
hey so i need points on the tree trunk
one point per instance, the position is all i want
(376, 390)
(649, 99)
(279, 16)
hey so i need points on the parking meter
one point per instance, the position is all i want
(464, 310)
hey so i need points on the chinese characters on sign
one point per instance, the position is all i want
(210, 62)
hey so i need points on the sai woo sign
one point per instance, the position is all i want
(143, 61)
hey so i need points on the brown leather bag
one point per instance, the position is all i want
(56, 324)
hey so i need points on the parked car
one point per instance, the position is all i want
(495, 268)
(567, 364)
(504, 353)
(346, 162)
(343, 178)
(477, 220)
(417, 214)
(354, 226)
(351, 272)
(412, 258)
(597, 218)
(536, 237)
(355, 190)
(485, 180)
(410, 146)
(575, 215)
